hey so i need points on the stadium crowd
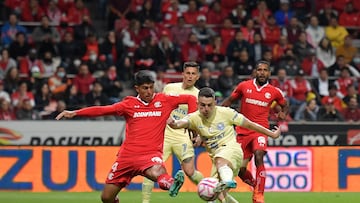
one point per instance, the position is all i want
(53, 57)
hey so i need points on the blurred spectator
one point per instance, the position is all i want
(236, 46)
(84, 29)
(283, 83)
(335, 33)
(329, 113)
(321, 84)
(118, 10)
(227, 32)
(112, 48)
(249, 30)
(46, 36)
(160, 81)
(53, 12)
(192, 50)
(314, 31)
(348, 50)
(132, 37)
(58, 83)
(349, 17)
(179, 32)
(311, 111)
(239, 15)
(228, 5)
(344, 81)
(77, 12)
(60, 107)
(13, 6)
(258, 48)
(19, 48)
(261, 14)
(6, 111)
(69, 50)
(216, 14)
(145, 55)
(91, 47)
(302, 47)
(83, 80)
(169, 54)
(4, 94)
(289, 63)
(326, 53)
(191, 14)
(97, 65)
(31, 11)
(31, 66)
(326, 14)
(50, 64)
(311, 65)
(202, 30)
(244, 66)
(11, 80)
(270, 32)
(284, 14)
(10, 29)
(280, 47)
(5, 63)
(351, 93)
(148, 11)
(63, 27)
(335, 70)
(171, 12)
(293, 30)
(215, 54)
(112, 86)
(206, 79)
(227, 81)
(333, 98)
(26, 111)
(65, 5)
(44, 103)
(73, 98)
(352, 112)
(96, 97)
(21, 94)
(301, 88)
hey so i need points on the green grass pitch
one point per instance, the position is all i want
(183, 197)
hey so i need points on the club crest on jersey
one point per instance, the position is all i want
(157, 160)
(220, 126)
(157, 104)
(249, 91)
(267, 95)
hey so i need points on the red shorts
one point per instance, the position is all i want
(128, 166)
(251, 142)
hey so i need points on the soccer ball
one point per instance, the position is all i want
(206, 188)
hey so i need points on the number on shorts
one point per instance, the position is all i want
(114, 166)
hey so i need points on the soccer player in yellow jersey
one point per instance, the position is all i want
(177, 141)
(215, 126)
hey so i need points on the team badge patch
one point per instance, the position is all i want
(220, 126)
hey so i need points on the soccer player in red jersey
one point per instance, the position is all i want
(141, 152)
(256, 97)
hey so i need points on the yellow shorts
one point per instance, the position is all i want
(180, 145)
(233, 153)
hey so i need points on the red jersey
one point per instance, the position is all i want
(146, 122)
(256, 102)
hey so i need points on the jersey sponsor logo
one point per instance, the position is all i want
(157, 104)
(256, 102)
(267, 95)
(147, 114)
(157, 160)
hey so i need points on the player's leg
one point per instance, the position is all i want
(188, 166)
(259, 147)
(148, 185)
(246, 145)
(166, 182)
(109, 193)
(245, 175)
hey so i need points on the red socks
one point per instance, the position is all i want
(165, 181)
(248, 178)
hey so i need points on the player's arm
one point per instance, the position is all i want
(258, 128)
(177, 124)
(92, 111)
(188, 99)
(284, 111)
(235, 95)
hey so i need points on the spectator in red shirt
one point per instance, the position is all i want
(53, 12)
(311, 65)
(239, 15)
(179, 33)
(171, 12)
(6, 111)
(352, 112)
(64, 5)
(280, 47)
(21, 94)
(215, 54)
(192, 13)
(31, 66)
(31, 11)
(216, 14)
(192, 50)
(83, 80)
(77, 12)
(271, 32)
(349, 17)
(249, 30)
(261, 14)
(333, 98)
(343, 82)
(282, 82)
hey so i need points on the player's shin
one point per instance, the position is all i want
(258, 194)
(196, 177)
(226, 173)
(147, 187)
(247, 178)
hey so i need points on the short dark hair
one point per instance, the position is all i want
(191, 64)
(206, 92)
(143, 76)
(257, 64)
